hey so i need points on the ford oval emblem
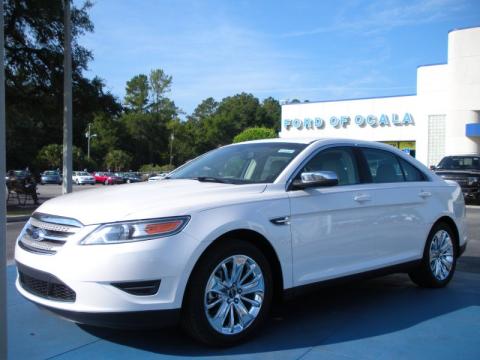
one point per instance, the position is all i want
(38, 234)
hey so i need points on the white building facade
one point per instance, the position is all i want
(443, 118)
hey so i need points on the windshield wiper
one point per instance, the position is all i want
(210, 179)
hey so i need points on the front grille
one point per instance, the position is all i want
(44, 285)
(45, 234)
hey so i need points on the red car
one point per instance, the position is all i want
(107, 178)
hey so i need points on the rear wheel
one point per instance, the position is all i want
(439, 259)
(229, 294)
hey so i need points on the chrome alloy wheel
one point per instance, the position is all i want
(441, 255)
(234, 294)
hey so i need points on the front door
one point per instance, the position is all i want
(330, 225)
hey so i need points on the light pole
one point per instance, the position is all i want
(172, 137)
(67, 100)
(3, 237)
(89, 135)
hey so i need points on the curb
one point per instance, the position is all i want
(17, 218)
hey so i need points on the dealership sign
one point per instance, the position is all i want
(338, 122)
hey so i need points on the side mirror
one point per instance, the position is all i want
(433, 167)
(316, 179)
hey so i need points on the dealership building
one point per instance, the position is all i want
(442, 118)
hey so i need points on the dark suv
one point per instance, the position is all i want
(465, 170)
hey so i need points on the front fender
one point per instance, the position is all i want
(209, 225)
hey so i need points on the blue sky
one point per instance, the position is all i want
(315, 50)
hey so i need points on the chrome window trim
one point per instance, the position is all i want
(427, 177)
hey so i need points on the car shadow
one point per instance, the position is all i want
(330, 315)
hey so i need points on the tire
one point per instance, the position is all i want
(129, 181)
(439, 259)
(197, 320)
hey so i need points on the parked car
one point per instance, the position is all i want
(130, 177)
(18, 174)
(82, 178)
(107, 178)
(50, 177)
(220, 238)
(157, 177)
(465, 170)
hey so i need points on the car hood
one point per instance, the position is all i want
(147, 200)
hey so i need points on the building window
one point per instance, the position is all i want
(436, 138)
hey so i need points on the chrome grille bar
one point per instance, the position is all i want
(46, 234)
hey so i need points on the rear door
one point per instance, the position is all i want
(399, 200)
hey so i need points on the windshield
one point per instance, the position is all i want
(83, 173)
(50, 173)
(241, 164)
(460, 163)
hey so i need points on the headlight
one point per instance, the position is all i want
(473, 179)
(136, 230)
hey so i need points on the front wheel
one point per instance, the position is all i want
(229, 294)
(439, 259)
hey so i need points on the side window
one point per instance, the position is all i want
(272, 167)
(339, 160)
(383, 165)
(411, 172)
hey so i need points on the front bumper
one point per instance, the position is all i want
(50, 181)
(152, 319)
(93, 271)
(86, 181)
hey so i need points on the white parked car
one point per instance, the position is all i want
(157, 177)
(223, 236)
(82, 178)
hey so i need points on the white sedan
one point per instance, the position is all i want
(223, 236)
(82, 178)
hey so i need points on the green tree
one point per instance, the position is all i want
(147, 136)
(34, 77)
(51, 156)
(118, 160)
(270, 113)
(136, 93)
(256, 133)
(110, 134)
(160, 84)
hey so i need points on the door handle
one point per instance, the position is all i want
(362, 198)
(425, 194)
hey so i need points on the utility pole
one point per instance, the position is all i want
(67, 100)
(3, 235)
(89, 135)
(172, 137)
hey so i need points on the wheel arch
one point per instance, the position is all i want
(451, 223)
(259, 241)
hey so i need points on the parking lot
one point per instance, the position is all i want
(387, 317)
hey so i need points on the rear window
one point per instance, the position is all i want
(383, 166)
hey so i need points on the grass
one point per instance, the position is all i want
(18, 212)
